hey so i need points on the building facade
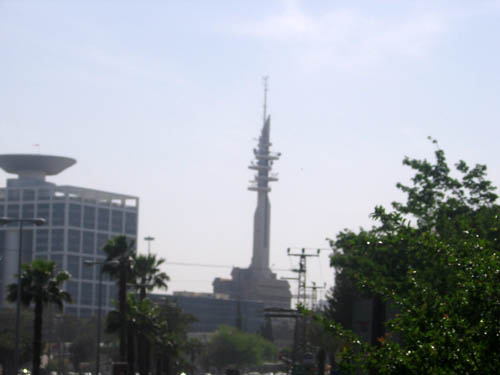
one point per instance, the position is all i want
(212, 310)
(79, 221)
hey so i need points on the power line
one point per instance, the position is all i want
(213, 265)
(198, 265)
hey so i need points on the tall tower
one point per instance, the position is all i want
(262, 164)
(258, 282)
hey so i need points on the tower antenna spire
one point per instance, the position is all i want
(265, 79)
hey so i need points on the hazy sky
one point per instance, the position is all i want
(163, 100)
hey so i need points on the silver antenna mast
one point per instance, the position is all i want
(265, 80)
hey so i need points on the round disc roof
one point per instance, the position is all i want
(47, 164)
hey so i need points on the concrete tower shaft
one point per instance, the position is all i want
(264, 159)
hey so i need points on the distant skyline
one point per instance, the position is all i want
(163, 100)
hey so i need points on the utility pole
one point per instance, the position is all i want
(276, 312)
(302, 272)
(299, 344)
(314, 294)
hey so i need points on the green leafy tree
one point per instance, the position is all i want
(171, 343)
(231, 347)
(119, 265)
(40, 285)
(435, 260)
(340, 300)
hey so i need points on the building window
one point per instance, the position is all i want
(70, 310)
(85, 313)
(58, 240)
(58, 214)
(116, 221)
(105, 276)
(27, 253)
(28, 211)
(13, 195)
(88, 242)
(130, 222)
(42, 240)
(101, 241)
(27, 257)
(28, 195)
(72, 289)
(103, 295)
(103, 219)
(74, 241)
(2, 241)
(87, 271)
(86, 293)
(43, 195)
(74, 266)
(89, 217)
(43, 211)
(75, 215)
(13, 211)
(58, 258)
(113, 295)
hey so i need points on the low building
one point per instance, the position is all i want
(212, 311)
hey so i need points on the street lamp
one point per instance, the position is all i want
(149, 239)
(7, 220)
(99, 307)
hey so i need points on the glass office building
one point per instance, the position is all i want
(78, 223)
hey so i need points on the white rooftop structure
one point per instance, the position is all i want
(34, 166)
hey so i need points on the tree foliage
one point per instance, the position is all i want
(172, 347)
(147, 274)
(340, 300)
(149, 332)
(231, 347)
(153, 335)
(435, 259)
(119, 265)
(82, 334)
(8, 338)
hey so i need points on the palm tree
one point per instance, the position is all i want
(119, 265)
(40, 285)
(147, 276)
